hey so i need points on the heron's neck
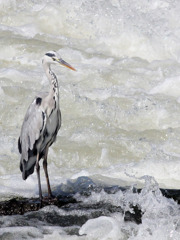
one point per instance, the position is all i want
(54, 89)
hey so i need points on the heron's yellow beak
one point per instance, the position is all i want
(62, 62)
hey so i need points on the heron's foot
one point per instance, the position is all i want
(50, 199)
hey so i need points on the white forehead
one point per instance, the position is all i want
(48, 57)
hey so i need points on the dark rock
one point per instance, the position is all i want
(65, 199)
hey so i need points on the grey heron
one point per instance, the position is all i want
(41, 124)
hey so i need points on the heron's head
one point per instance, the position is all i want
(52, 57)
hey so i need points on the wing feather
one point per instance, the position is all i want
(32, 128)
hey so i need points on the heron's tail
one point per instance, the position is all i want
(27, 167)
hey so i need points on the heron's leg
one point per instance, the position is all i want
(38, 176)
(46, 172)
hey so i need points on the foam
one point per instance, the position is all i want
(169, 87)
(102, 228)
(129, 29)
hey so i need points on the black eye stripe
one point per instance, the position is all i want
(50, 55)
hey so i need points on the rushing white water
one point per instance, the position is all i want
(120, 110)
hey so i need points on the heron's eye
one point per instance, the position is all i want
(53, 59)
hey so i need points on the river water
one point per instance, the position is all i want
(120, 110)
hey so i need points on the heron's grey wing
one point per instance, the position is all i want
(32, 128)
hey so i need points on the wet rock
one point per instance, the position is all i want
(65, 200)
(23, 205)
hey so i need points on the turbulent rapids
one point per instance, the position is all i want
(120, 117)
(81, 203)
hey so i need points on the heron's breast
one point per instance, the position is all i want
(51, 125)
